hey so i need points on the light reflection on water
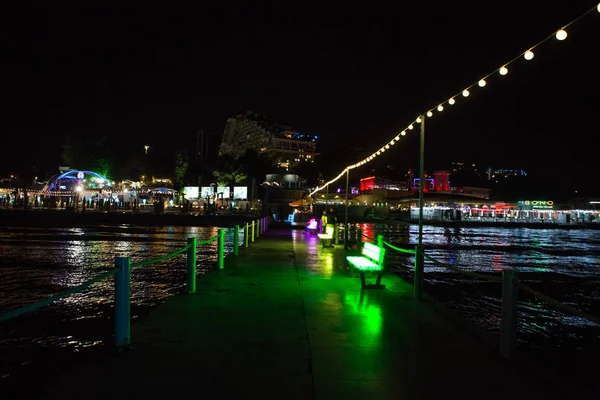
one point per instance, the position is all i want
(563, 264)
(38, 263)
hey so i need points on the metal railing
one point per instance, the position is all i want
(510, 288)
(122, 273)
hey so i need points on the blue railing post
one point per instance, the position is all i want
(418, 276)
(236, 240)
(508, 323)
(122, 302)
(191, 266)
(221, 248)
(264, 225)
(246, 232)
(258, 228)
(252, 231)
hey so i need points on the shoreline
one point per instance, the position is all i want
(62, 218)
(511, 225)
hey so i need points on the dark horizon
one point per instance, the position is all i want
(355, 77)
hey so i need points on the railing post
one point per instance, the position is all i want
(236, 239)
(122, 302)
(508, 324)
(221, 248)
(359, 239)
(258, 227)
(266, 223)
(246, 235)
(380, 241)
(418, 277)
(191, 266)
(253, 231)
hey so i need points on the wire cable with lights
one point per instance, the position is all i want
(528, 55)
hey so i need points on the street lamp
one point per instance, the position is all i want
(146, 147)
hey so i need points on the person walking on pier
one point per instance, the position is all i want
(323, 221)
(332, 218)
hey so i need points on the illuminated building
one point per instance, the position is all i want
(252, 131)
(289, 148)
(75, 180)
(441, 181)
(167, 182)
(245, 132)
(370, 183)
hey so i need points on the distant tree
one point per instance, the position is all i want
(181, 168)
(104, 167)
(230, 174)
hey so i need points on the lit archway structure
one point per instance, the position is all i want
(97, 181)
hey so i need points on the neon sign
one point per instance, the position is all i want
(537, 204)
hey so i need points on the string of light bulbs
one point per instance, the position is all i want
(528, 55)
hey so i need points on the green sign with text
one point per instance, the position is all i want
(536, 204)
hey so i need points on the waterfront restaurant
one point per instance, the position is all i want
(537, 211)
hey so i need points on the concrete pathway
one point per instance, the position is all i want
(283, 321)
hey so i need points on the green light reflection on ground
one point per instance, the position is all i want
(369, 309)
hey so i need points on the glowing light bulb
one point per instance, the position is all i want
(528, 55)
(598, 7)
(418, 120)
(378, 153)
(482, 83)
(403, 133)
(410, 127)
(503, 71)
(440, 108)
(451, 101)
(561, 34)
(382, 149)
(398, 137)
(465, 93)
(387, 146)
(393, 142)
(429, 114)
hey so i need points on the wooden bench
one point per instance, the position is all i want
(327, 236)
(370, 260)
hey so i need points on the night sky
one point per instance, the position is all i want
(354, 76)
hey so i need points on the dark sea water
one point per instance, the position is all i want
(36, 263)
(563, 264)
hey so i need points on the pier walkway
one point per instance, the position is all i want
(283, 321)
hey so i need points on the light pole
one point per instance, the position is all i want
(419, 259)
(346, 211)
